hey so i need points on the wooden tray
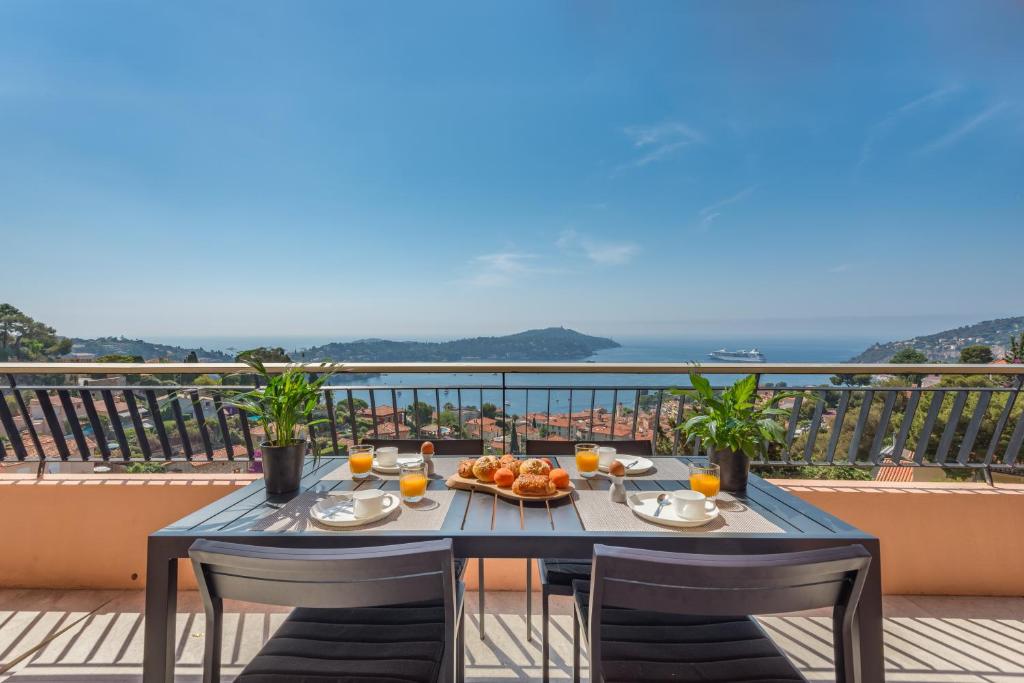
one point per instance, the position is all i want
(466, 484)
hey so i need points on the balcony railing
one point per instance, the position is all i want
(144, 411)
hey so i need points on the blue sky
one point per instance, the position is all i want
(437, 169)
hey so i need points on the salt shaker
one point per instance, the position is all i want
(617, 473)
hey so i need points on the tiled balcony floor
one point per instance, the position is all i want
(928, 639)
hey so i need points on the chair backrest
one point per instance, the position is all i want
(538, 447)
(732, 585)
(471, 447)
(321, 577)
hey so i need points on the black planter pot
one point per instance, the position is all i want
(282, 466)
(735, 469)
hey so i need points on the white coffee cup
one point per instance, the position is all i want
(605, 456)
(387, 456)
(369, 503)
(689, 504)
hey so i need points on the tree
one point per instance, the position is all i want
(420, 413)
(850, 380)
(1015, 351)
(976, 353)
(22, 338)
(265, 354)
(909, 356)
(489, 410)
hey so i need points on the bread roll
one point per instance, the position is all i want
(485, 467)
(510, 462)
(534, 466)
(533, 485)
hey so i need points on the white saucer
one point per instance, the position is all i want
(338, 511)
(642, 464)
(402, 460)
(645, 503)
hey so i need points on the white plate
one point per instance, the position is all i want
(642, 464)
(645, 503)
(338, 511)
(402, 460)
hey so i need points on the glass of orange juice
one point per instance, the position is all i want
(360, 460)
(706, 479)
(412, 480)
(586, 459)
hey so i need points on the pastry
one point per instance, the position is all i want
(533, 485)
(466, 468)
(509, 462)
(534, 466)
(485, 467)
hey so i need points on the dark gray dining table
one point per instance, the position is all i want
(481, 524)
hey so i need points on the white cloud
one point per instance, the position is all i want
(879, 130)
(953, 136)
(660, 141)
(499, 269)
(601, 253)
(840, 268)
(709, 213)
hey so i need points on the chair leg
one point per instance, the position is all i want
(480, 594)
(460, 652)
(575, 646)
(544, 633)
(214, 635)
(529, 600)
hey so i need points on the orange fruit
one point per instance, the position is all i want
(504, 477)
(560, 478)
(426, 448)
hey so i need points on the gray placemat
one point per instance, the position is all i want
(664, 468)
(598, 513)
(443, 468)
(427, 515)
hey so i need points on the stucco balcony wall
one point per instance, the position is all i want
(89, 531)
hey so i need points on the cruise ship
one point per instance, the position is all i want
(740, 356)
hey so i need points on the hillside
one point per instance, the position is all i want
(148, 350)
(945, 346)
(550, 344)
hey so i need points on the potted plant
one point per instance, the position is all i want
(284, 406)
(732, 425)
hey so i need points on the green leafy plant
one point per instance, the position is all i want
(733, 419)
(284, 405)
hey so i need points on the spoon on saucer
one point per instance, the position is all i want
(663, 500)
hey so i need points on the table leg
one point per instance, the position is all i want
(161, 610)
(868, 629)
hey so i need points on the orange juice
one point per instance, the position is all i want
(586, 461)
(707, 484)
(413, 486)
(360, 463)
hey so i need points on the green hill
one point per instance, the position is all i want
(104, 346)
(945, 346)
(550, 344)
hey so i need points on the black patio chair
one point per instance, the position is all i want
(557, 575)
(468, 447)
(659, 616)
(381, 613)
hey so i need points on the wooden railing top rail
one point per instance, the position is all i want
(86, 368)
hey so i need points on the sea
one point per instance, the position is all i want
(519, 398)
